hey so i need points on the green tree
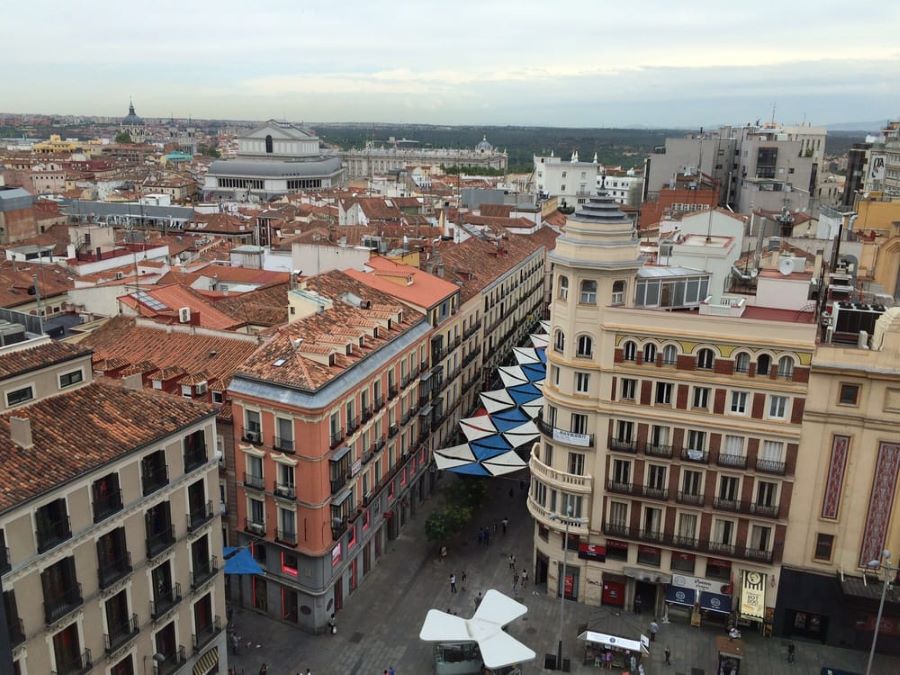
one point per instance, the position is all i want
(209, 151)
(123, 137)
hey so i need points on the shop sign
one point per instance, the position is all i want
(592, 552)
(571, 438)
(697, 583)
(753, 595)
(356, 468)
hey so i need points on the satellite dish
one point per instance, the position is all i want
(786, 266)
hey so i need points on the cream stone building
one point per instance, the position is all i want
(670, 433)
(110, 533)
(850, 496)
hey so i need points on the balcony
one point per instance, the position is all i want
(698, 456)
(199, 516)
(352, 424)
(194, 459)
(157, 542)
(393, 390)
(165, 600)
(770, 466)
(553, 520)
(471, 330)
(732, 460)
(57, 607)
(379, 402)
(285, 491)
(16, 631)
(171, 663)
(288, 537)
(111, 570)
(204, 570)
(623, 445)
(284, 444)
(653, 536)
(561, 479)
(155, 479)
(689, 543)
(752, 508)
(393, 430)
(120, 633)
(720, 548)
(254, 482)
(75, 665)
(690, 498)
(337, 435)
(758, 555)
(658, 450)
(724, 504)
(338, 483)
(654, 492)
(563, 436)
(206, 633)
(366, 414)
(617, 530)
(52, 533)
(107, 505)
(254, 527)
(622, 488)
(338, 527)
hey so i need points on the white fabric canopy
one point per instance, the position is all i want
(498, 648)
(611, 641)
(526, 355)
(462, 456)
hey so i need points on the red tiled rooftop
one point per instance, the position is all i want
(25, 360)
(426, 290)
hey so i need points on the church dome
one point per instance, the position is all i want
(484, 146)
(131, 119)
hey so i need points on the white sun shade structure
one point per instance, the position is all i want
(498, 648)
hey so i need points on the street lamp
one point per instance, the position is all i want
(566, 520)
(882, 564)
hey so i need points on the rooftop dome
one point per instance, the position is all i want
(131, 119)
(484, 146)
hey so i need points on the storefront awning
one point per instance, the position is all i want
(339, 454)
(613, 641)
(206, 662)
(681, 596)
(715, 602)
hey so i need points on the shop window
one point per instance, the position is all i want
(649, 555)
(824, 546)
(718, 569)
(683, 562)
(616, 550)
(289, 564)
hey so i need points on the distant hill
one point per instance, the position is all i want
(869, 127)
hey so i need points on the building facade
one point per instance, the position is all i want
(669, 439)
(374, 159)
(110, 559)
(571, 182)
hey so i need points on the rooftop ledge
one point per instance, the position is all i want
(723, 306)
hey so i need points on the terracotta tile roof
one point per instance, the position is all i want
(496, 210)
(151, 347)
(227, 273)
(25, 360)
(265, 306)
(173, 297)
(426, 290)
(82, 430)
(17, 278)
(302, 366)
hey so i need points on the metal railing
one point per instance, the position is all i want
(60, 605)
(733, 460)
(658, 450)
(171, 662)
(689, 498)
(197, 517)
(336, 437)
(165, 600)
(194, 459)
(284, 444)
(158, 542)
(287, 536)
(285, 491)
(698, 456)
(105, 506)
(155, 478)
(770, 466)
(110, 571)
(120, 633)
(79, 665)
(203, 571)
(51, 533)
(255, 482)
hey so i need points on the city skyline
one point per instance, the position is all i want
(497, 64)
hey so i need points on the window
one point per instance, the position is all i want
(760, 537)
(687, 526)
(576, 463)
(649, 353)
(622, 471)
(718, 569)
(554, 374)
(849, 394)
(585, 346)
(824, 546)
(763, 363)
(559, 341)
(571, 505)
(582, 382)
(629, 349)
(629, 387)
(256, 510)
(284, 429)
(729, 488)
(785, 367)
(777, 406)
(17, 396)
(254, 474)
(579, 423)
(734, 446)
(723, 532)
(625, 431)
(701, 397)
(253, 429)
(616, 550)
(106, 496)
(664, 393)
(68, 379)
(652, 520)
(765, 493)
(690, 482)
(548, 454)
(705, 358)
(269, 144)
(696, 440)
(739, 402)
(618, 292)
(588, 292)
(742, 363)
(683, 562)
(618, 513)
(563, 288)
(656, 478)
(659, 436)
(670, 355)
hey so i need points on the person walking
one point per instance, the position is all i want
(515, 580)
(509, 559)
(235, 642)
(790, 652)
(504, 523)
(668, 654)
(452, 583)
(637, 604)
(391, 671)
(524, 577)
(654, 629)
(263, 669)
(332, 625)
(463, 579)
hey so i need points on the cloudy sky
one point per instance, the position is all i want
(555, 63)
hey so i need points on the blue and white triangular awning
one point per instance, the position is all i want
(492, 440)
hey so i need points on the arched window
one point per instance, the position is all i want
(559, 341)
(786, 367)
(588, 292)
(630, 351)
(763, 364)
(649, 353)
(742, 363)
(618, 293)
(705, 358)
(269, 144)
(562, 291)
(670, 355)
(585, 346)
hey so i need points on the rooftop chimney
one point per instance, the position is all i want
(20, 432)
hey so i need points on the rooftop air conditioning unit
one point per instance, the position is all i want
(252, 436)
(184, 315)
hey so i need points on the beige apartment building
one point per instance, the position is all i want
(850, 497)
(109, 522)
(670, 434)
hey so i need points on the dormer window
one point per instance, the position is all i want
(186, 390)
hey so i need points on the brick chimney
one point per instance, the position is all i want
(20, 432)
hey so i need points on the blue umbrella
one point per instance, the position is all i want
(240, 561)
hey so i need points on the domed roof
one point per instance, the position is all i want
(484, 146)
(131, 119)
